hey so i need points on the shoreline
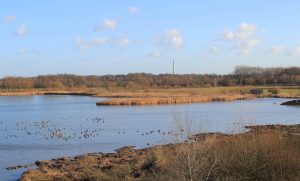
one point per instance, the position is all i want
(38, 93)
(107, 166)
(121, 97)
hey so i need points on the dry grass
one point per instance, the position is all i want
(171, 92)
(160, 95)
(171, 100)
(189, 95)
(263, 155)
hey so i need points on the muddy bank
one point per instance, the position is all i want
(255, 155)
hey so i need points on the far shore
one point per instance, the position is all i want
(39, 92)
(166, 96)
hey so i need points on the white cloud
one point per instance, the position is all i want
(133, 10)
(294, 52)
(246, 46)
(276, 49)
(139, 42)
(244, 37)
(22, 31)
(99, 41)
(110, 24)
(155, 54)
(244, 32)
(9, 18)
(82, 44)
(107, 24)
(229, 35)
(122, 41)
(172, 38)
(215, 49)
(247, 28)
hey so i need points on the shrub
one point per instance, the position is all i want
(274, 90)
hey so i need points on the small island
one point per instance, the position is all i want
(292, 103)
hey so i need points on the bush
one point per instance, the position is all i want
(274, 90)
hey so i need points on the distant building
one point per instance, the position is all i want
(256, 91)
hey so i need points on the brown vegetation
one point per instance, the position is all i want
(170, 100)
(263, 153)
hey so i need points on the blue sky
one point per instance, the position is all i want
(120, 36)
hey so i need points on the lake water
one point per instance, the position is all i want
(44, 127)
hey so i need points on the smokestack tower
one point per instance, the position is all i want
(173, 67)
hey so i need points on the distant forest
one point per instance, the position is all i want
(241, 76)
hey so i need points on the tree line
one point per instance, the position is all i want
(241, 76)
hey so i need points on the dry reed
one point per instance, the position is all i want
(171, 100)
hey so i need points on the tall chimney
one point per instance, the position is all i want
(173, 67)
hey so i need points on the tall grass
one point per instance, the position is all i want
(171, 100)
(266, 155)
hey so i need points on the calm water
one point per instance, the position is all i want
(43, 127)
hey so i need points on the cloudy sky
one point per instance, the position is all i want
(122, 36)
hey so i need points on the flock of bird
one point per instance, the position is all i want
(172, 133)
(51, 130)
(47, 129)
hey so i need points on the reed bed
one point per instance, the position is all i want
(170, 100)
(265, 153)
